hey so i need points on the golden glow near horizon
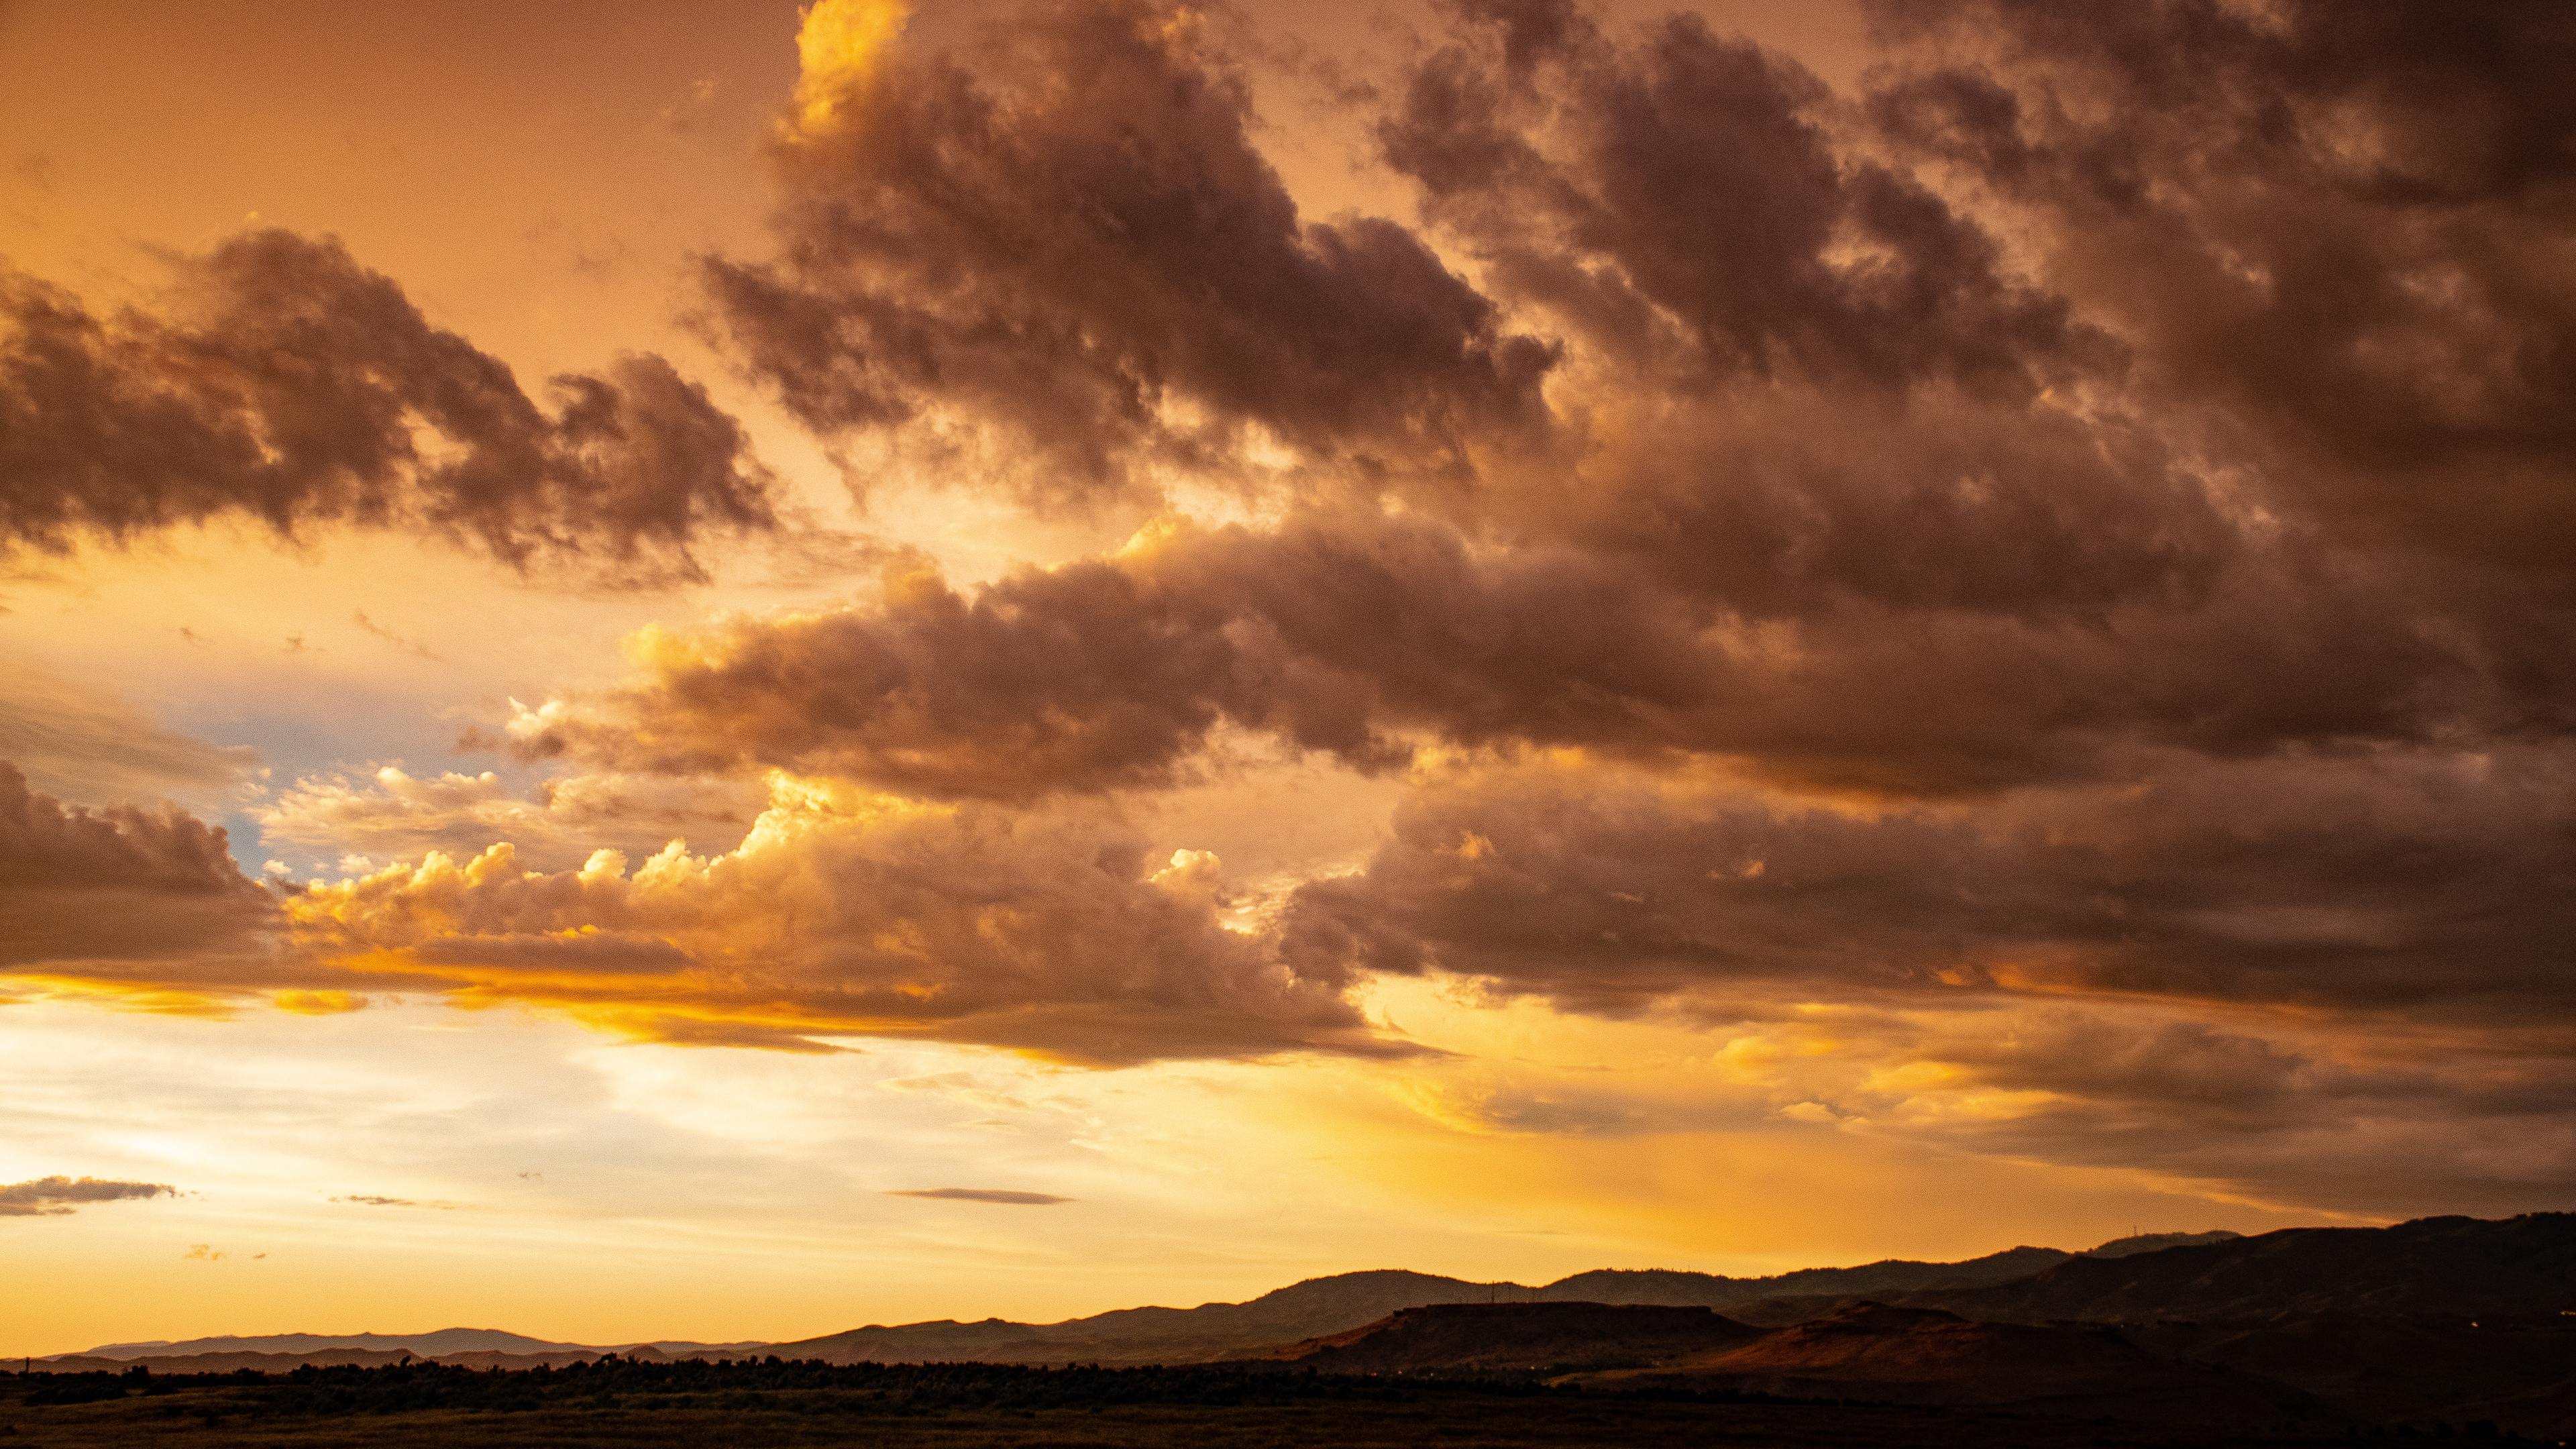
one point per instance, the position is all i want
(1369, 638)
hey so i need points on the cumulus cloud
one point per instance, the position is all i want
(1068, 242)
(1861, 464)
(2343, 236)
(2069, 522)
(2051, 563)
(290, 387)
(1359, 634)
(393, 814)
(1681, 194)
(841, 914)
(56, 1196)
(120, 887)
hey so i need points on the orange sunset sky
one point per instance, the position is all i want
(1491, 636)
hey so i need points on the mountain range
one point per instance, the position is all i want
(1300, 1311)
(464, 1347)
(2520, 1270)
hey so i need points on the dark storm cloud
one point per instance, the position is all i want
(2059, 561)
(2383, 1125)
(2370, 883)
(1113, 672)
(1068, 234)
(117, 885)
(1353, 633)
(56, 1196)
(1837, 484)
(2341, 231)
(288, 386)
(1682, 190)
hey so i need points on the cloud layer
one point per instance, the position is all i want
(2381, 882)
(848, 914)
(2037, 586)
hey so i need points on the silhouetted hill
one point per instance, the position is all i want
(1518, 1338)
(2130, 1247)
(1954, 1358)
(1864, 1351)
(1924, 1356)
(1709, 1290)
(2437, 1268)
(2197, 1275)
(225, 1363)
(425, 1345)
(1319, 1307)
(467, 1347)
(1304, 1310)
(2522, 1377)
(2520, 1268)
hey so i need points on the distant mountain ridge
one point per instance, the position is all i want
(2130, 1247)
(478, 1347)
(1302, 1310)
(2285, 1372)
(2439, 1321)
(426, 1345)
(2451, 1268)
(1321, 1306)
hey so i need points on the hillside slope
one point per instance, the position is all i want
(1304, 1310)
(1873, 1352)
(1519, 1338)
(1344, 1302)
(2441, 1268)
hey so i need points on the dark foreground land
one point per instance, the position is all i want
(2442, 1328)
(971, 1406)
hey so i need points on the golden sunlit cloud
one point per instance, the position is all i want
(846, 911)
(839, 44)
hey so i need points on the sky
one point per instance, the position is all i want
(727, 672)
